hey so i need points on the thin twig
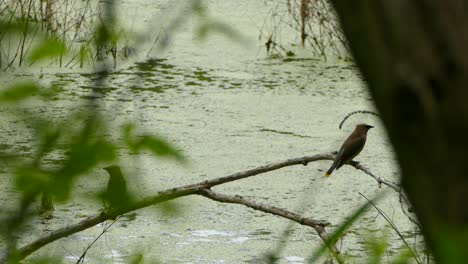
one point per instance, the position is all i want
(71, 254)
(81, 259)
(394, 227)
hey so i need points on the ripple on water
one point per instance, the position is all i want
(207, 233)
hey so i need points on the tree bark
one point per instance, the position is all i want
(413, 55)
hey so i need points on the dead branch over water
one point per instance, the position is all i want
(204, 189)
(317, 225)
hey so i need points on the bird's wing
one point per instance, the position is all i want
(336, 162)
(351, 148)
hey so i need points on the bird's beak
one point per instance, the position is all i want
(369, 126)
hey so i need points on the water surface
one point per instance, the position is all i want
(229, 108)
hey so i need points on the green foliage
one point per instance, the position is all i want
(85, 151)
(84, 51)
(15, 26)
(37, 260)
(340, 230)
(376, 248)
(46, 260)
(137, 259)
(140, 259)
(170, 208)
(23, 90)
(31, 180)
(404, 257)
(18, 92)
(47, 48)
(156, 145)
(66, 148)
(208, 25)
(47, 136)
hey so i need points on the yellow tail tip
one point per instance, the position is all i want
(327, 174)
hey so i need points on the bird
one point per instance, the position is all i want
(350, 148)
(116, 195)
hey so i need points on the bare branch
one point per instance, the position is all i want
(318, 225)
(174, 193)
(380, 180)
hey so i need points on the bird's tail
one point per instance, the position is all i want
(330, 170)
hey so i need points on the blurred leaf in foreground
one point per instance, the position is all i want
(31, 180)
(341, 229)
(376, 247)
(18, 91)
(156, 145)
(50, 47)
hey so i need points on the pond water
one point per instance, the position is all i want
(228, 108)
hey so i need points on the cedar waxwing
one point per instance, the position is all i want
(351, 147)
(116, 194)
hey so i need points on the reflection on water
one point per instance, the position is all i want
(229, 109)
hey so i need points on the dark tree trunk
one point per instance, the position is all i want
(413, 55)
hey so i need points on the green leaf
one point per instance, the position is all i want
(211, 26)
(127, 133)
(50, 92)
(47, 134)
(51, 47)
(376, 247)
(19, 91)
(158, 147)
(170, 208)
(137, 259)
(15, 26)
(84, 51)
(341, 229)
(31, 180)
(45, 260)
(404, 257)
(104, 151)
(81, 158)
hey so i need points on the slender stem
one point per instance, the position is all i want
(394, 227)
